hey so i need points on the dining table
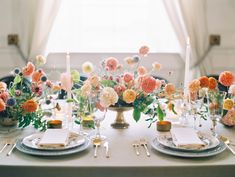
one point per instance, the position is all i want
(123, 161)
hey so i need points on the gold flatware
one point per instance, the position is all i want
(226, 142)
(96, 143)
(7, 143)
(143, 143)
(12, 148)
(106, 146)
(136, 145)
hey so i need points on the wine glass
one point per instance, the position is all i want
(196, 101)
(215, 104)
(99, 116)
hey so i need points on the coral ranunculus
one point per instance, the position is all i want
(36, 77)
(148, 84)
(142, 70)
(129, 96)
(212, 83)
(28, 69)
(204, 81)
(226, 78)
(30, 106)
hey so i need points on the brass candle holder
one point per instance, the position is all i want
(163, 126)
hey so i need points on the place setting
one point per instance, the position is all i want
(187, 142)
(53, 142)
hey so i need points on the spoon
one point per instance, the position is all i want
(96, 143)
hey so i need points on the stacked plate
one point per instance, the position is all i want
(164, 144)
(29, 145)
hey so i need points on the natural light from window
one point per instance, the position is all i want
(112, 26)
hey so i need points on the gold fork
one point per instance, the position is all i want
(136, 147)
(227, 142)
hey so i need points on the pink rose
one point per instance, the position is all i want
(144, 50)
(142, 70)
(111, 64)
(128, 77)
(148, 84)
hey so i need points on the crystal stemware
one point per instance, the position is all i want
(215, 104)
(99, 116)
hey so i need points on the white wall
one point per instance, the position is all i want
(9, 57)
(220, 17)
(221, 20)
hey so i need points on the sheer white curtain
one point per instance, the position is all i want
(189, 19)
(35, 20)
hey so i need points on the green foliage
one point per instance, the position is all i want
(108, 83)
(136, 114)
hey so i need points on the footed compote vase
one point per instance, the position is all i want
(120, 122)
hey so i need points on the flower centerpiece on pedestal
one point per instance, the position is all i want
(22, 96)
(123, 86)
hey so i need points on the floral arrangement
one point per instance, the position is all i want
(208, 89)
(126, 84)
(21, 99)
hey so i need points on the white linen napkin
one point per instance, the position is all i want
(186, 137)
(53, 138)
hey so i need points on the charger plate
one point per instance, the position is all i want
(37, 152)
(32, 141)
(209, 141)
(192, 154)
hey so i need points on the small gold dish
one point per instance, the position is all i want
(54, 124)
(163, 126)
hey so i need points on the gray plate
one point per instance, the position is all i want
(206, 153)
(209, 141)
(20, 146)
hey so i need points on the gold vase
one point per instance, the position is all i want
(120, 122)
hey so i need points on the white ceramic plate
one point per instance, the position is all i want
(37, 152)
(33, 140)
(190, 154)
(209, 141)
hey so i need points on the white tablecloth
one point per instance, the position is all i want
(123, 161)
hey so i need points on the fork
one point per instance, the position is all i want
(136, 146)
(143, 143)
(7, 143)
(227, 142)
(12, 148)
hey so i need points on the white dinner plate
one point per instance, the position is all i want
(192, 154)
(32, 141)
(37, 152)
(209, 141)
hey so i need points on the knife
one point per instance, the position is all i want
(106, 146)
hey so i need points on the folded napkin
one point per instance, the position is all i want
(186, 137)
(54, 138)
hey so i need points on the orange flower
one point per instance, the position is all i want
(2, 105)
(228, 104)
(142, 70)
(56, 88)
(226, 78)
(30, 106)
(129, 96)
(169, 89)
(37, 76)
(204, 81)
(148, 84)
(212, 83)
(194, 86)
(28, 69)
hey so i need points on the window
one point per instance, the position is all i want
(118, 26)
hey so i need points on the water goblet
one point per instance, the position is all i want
(99, 116)
(215, 104)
